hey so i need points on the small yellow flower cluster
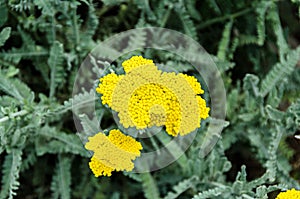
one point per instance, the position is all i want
(146, 96)
(289, 194)
(99, 168)
(108, 83)
(134, 62)
(114, 152)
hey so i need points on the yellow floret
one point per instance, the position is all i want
(157, 115)
(99, 169)
(193, 82)
(112, 153)
(153, 104)
(124, 142)
(289, 194)
(134, 62)
(202, 108)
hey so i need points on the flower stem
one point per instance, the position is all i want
(166, 17)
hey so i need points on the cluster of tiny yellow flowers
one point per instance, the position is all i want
(146, 97)
(289, 194)
(100, 169)
(134, 62)
(114, 152)
(108, 83)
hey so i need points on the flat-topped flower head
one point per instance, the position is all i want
(146, 96)
(289, 194)
(114, 152)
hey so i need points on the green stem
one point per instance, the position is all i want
(53, 31)
(223, 18)
(24, 54)
(75, 28)
(246, 196)
(166, 17)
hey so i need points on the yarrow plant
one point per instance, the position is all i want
(246, 52)
(289, 194)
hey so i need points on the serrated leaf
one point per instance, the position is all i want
(261, 10)
(55, 62)
(78, 101)
(10, 174)
(181, 187)
(280, 71)
(61, 181)
(187, 23)
(224, 43)
(52, 141)
(277, 28)
(210, 193)
(137, 40)
(16, 88)
(149, 186)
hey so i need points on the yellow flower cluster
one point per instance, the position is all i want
(146, 96)
(108, 83)
(114, 152)
(134, 62)
(289, 194)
